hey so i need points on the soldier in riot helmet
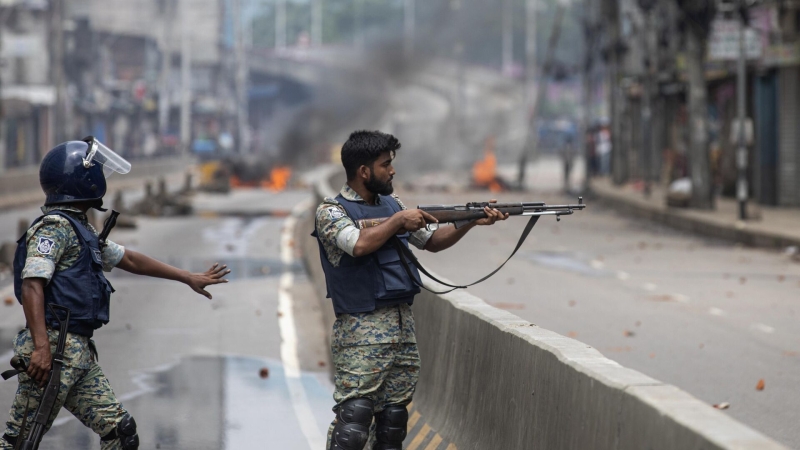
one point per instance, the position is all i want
(373, 344)
(60, 261)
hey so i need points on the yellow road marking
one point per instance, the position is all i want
(452, 447)
(423, 433)
(434, 442)
(413, 420)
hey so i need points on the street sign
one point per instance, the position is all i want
(724, 41)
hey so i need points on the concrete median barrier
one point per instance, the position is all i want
(491, 380)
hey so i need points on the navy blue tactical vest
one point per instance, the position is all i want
(371, 281)
(82, 288)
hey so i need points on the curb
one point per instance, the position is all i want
(692, 221)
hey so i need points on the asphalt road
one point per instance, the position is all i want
(707, 316)
(225, 373)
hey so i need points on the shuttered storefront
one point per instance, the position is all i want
(789, 136)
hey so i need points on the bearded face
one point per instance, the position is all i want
(379, 186)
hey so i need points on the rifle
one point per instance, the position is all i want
(460, 215)
(48, 400)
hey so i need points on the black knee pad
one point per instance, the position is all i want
(390, 429)
(353, 419)
(125, 431)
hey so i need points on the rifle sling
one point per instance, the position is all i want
(405, 253)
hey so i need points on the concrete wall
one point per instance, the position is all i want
(491, 380)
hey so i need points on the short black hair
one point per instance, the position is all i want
(364, 147)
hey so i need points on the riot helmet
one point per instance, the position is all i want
(76, 172)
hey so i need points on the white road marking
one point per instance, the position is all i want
(649, 287)
(623, 275)
(144, 380)
(289, 356)
(716, 312)
(597, 264)
(763, 328)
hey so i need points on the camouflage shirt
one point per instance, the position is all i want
(54, 246)
(339, 234)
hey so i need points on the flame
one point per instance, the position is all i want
(484, 172)
(278, 178)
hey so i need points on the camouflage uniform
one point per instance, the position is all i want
(85, 391)
(374, 354)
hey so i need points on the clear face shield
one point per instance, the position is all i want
(100, 154)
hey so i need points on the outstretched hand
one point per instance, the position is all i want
(492, 215)
(214, 275)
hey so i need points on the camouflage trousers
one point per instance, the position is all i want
(86, 393)
(387, 374)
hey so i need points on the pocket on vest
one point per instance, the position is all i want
(357, 292)
(395, 277)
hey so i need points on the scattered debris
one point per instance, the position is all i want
(163, 204)
(280, 314)
(128, 326)
(572, 334)
(638, 323)
(572, 303)
(760, 385)
(629, 333)
(510, 281)
(321, 363)
(8, 301)
(652, 355)
(258, 313)
(742, 280)
(263, 373)
(723, 405)
(781, 278)
(701, 346)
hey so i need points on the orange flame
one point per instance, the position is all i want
(484, 172)
(278, 179)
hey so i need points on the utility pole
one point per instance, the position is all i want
(280, 24)
(619, 158)
(316, 23)
(409, 27)
(650, 67)
(532, 141)
(358, 19)
(242, 107)
(508, 35)
(57, 69)
(164, 103)
(186, 79)
(3, 15)
(589, 29)
(531, 8)
(741, 99)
